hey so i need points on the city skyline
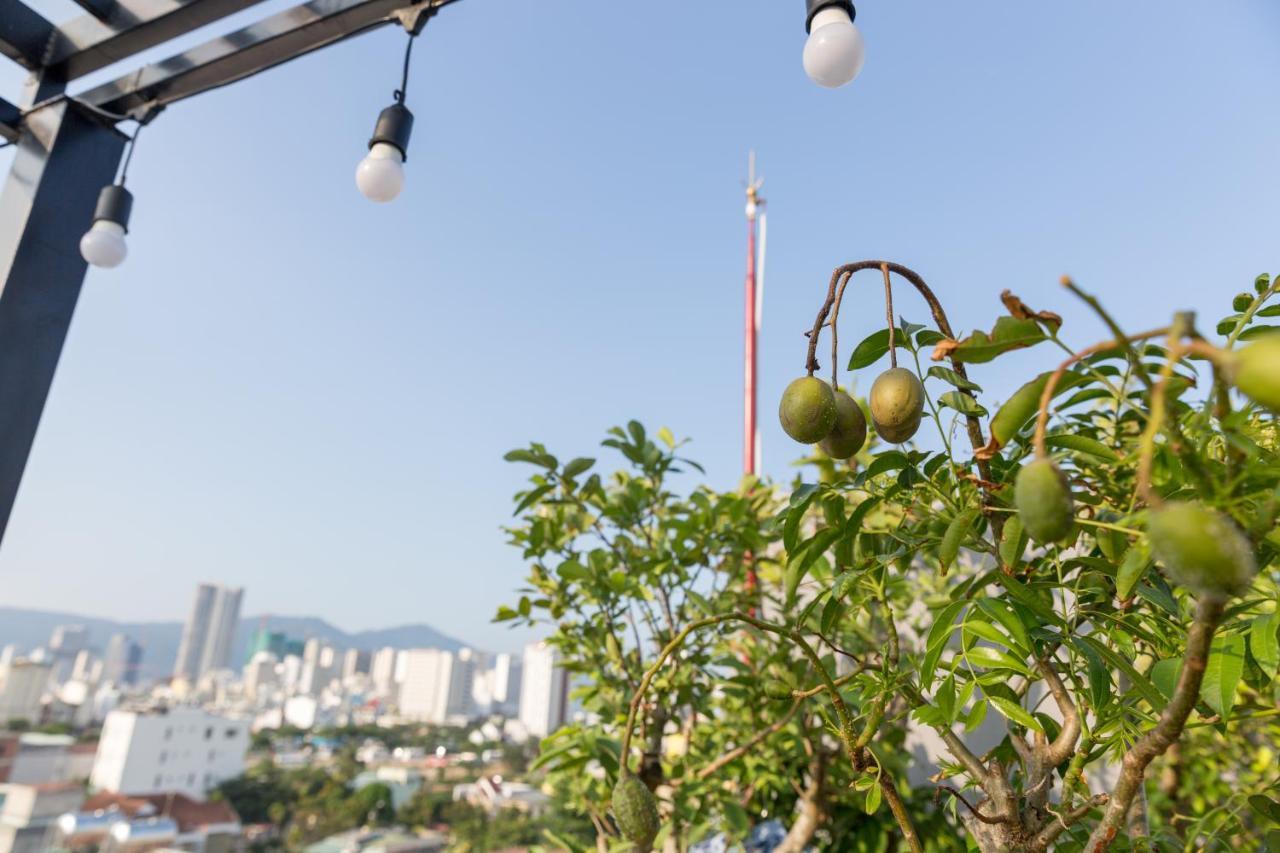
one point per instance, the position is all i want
(286, 389)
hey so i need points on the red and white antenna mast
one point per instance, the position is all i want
(754, 289)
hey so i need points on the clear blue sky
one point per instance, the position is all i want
(289, 388)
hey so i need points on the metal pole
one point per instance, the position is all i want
(749, 333)
(64, 157)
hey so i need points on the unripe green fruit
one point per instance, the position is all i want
(808, 410)
(897, 404)
(1255, 370)
(1201, 548)
(1043, 500)
(636, 811)
(850, 432)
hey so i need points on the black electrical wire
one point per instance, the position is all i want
(133, 143)
(404, 77)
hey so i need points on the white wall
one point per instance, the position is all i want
(183, 749)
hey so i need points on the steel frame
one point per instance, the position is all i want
(68, 148)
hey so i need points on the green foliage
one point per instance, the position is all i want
(901, 591)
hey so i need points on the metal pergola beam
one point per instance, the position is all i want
(10, 116)
(63, 159)
(24, 35)
(275, 40)
(126, 27)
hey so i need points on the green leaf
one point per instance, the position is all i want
(1262, 642)
(1009, 333)
(962, 403)
(888, 461)
(928, 338)
(577, 466)
(870, 350)
(1164, 675)
(572, 570)
(531, 497)
(939, 632)
(989, 658)
(1265, 807)
(665, 436)
(1015, 712)
(1020, 408)
(1257, 332)
(1222, 673)
(1082, 444)
(957, 530)
(1132, 567)
(1137, 680)
(1009, 619)
(946, 374)
(1013, 543)
(872, 803)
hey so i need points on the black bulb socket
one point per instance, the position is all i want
(813, 7)
(115, 203)
(395, 125)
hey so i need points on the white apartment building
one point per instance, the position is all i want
(438, 685)
(22, 684)
(181, 749)
(506, 684)
(382, 669)
(544, 690)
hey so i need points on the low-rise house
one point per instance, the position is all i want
(113, 821)
(29, 814)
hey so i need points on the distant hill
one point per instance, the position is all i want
(31, 628)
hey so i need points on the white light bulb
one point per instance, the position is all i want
(380, 175)
(834, 52)
(103, 244)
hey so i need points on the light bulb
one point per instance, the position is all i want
(834, 52)
(380, 175)
(103, 244)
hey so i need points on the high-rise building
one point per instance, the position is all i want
(382, 669)
(121, 660)
(209, 632)
(275, 642)
(20, 692)
(506, 684)
(355, 662)
(544, 690)
(438, 685)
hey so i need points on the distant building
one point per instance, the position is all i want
(181, 749)
(493, 793)
(260, 677)
(23, 685)
(275, 642)
(209, 631)
(438, 685)
(355, 662)
(122, 660)
(544, 690)
(29, 815)
(403, 782)
(168, 820)
(31, 758)
(506, 684)
(382, 669)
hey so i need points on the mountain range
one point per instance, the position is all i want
(29, 629)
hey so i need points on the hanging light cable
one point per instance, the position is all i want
(380, 175)
(103, 245)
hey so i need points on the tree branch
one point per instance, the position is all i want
(1208, 615)
(1062, 746)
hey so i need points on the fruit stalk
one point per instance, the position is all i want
(888, 312)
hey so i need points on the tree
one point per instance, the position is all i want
(1083, 573)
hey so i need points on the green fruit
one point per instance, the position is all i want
(1043, 500)
(1256, 371)
(897, 404)
(636, 811)
(1201, 548)
(850, 432)
(808, 410)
